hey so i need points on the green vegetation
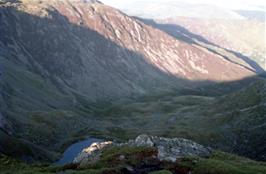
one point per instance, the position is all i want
(111, 161)
(238, 117)
(224, 163)
(131, 155)
(9, 166)
(57, 119)
(208, 120)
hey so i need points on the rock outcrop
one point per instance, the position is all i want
(168, 149)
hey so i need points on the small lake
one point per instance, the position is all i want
(73, 150)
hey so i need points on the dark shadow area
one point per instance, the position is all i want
(183, 34)
(106, 70)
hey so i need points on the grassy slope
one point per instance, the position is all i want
(235, 122)
(223, 163)
(38, 112)
(58, 118)
(218, 163)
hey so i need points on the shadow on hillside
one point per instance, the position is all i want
(183, 34)
(119, 72)
(53, 44)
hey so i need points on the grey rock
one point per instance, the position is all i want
(172, 149)
(144, 140)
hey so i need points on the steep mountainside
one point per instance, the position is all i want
(239, 31)
(61, 61)
(246, 37)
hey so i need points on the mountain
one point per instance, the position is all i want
(77, 57)
(244, 37)
(239, 31)
(64, 63)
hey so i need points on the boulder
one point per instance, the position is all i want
(170, 149)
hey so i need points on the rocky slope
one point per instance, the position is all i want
(238, 31)
(61, 61)
(244, 37)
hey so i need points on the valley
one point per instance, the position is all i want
(75, 69)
